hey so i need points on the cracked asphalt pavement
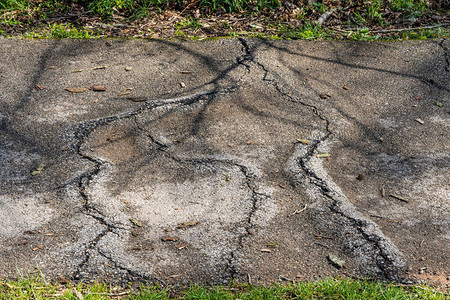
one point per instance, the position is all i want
(230, 159)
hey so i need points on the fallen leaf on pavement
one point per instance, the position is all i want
(170, 238)
(183, 85)
(50, 233)
(361, 176)
(38, 170)
(99, 67)
(136, 222)
(123, 93)
(187, 224)
(420, 121)
(40, 87)
(303, 141)
(98, 88)
(185, 72)
(128, 69)
(323, 155)
(266, 250)
(323, 96)
(181, 245)
(38, 247)
(336, 260)
(78, 71)
(345, 87)
(76, 90)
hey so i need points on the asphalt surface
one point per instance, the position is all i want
(210, 161)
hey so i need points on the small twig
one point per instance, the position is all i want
(320, 244)
(398, 198)
(299, 211)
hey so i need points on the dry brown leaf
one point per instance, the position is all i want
(170, 238)
(123, 93)
(345, 87)
(186, 72)
(38, 247)
(40, 87)
(266, 250)
(181, 245)
(98, 88)
(187, 224)
(76, 90)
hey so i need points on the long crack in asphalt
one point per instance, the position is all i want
(79, 134)
(386, 256)
(387, 264)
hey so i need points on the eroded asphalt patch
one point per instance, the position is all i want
(213, 161)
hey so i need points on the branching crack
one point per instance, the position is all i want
(446, 55)
(79, 134)
(133, 275)
(387, 266)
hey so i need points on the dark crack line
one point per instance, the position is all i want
(387, 266)
(446, 55)
(256, 196)
(133, 274)
(80, 134)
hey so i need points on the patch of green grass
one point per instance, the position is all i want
(309, 31)
(364, 34)
(60, 31)
(189, 23)
(14, 4)
(422, 34)
(414, 8)
(36, 287)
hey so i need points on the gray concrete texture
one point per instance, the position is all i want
(233, 159)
